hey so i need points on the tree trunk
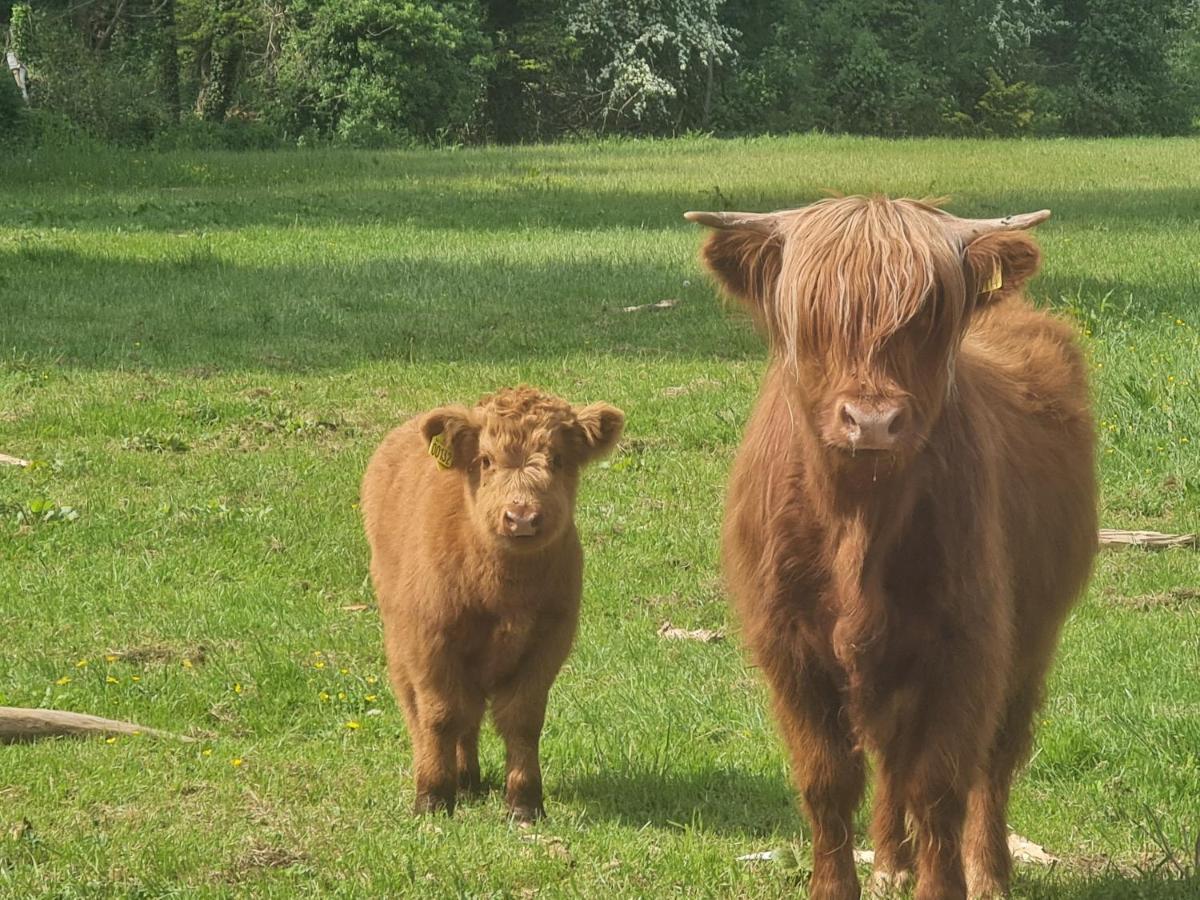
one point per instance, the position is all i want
(223, 64)
(505, 84)
(168, 60)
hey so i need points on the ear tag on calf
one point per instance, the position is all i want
(440, 452)
(996, 281)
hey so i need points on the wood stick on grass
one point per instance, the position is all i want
(19, 725)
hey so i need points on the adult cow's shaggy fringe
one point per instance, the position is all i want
(910, 517)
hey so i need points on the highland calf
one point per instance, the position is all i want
(909, 519)
(478, 569)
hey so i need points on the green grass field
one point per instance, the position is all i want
(201, 351)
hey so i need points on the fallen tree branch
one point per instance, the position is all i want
(1153, 540)
(6, 460)
(19, 725)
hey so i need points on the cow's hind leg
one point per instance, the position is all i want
(827, 768)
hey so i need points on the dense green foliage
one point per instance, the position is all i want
(386, 72)
(200, 350)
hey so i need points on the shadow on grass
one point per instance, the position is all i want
(1064, 885)
(198, 311)
(723, 801)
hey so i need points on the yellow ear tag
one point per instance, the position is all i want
(995, 282)
(440, 452)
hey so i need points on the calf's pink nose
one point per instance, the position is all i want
(522, 520)
(875, 426)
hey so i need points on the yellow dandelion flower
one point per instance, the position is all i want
(1179, 321)
(110, 740)
(237, 688)
(318, 665)
(353, 726)
(207, 751)
(1170, 378)
(1183, 440)
(371, 698)
(111, 680)
(1109, 450)
(111, 657)
(324, 695)
(82, 664)
(236, 761)
(341, 695)
(343, 671)
(187, 664)
(371, 679)
(66, 679)
(135, 677)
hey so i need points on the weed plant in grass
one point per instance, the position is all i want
(199, 352)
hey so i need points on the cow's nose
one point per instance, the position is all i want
(872, 426)
(522, 520)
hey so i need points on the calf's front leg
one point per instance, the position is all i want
(519, 712)
(444, 713)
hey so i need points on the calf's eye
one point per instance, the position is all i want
(485, 462)
(556, 461)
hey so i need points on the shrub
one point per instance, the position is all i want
(372, 72)
(13, 114)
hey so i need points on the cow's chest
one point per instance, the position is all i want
(503, 634)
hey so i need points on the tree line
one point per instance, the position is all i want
(260, 73)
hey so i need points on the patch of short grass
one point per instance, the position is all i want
(200, 351)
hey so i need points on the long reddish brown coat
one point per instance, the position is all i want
(905, 600)
(478, 570)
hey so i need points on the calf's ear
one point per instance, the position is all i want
(746, 264)
(599, 427)
(1001, 263)
(451, 435)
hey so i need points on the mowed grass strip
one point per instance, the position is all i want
(199, 352)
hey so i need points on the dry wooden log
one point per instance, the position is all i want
(1153, 540)
(19, 725)
(6, 460)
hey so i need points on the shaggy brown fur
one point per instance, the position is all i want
(906, 601)
(478, 570)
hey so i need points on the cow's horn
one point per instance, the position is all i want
(967, 230)
(763, 222)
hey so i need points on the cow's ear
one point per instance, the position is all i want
(1001, 263)
(746, 263)
(598, 427)
(451, 436)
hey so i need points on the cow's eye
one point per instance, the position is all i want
(556, 460)
(485, 462)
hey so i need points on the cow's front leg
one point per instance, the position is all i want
(949, 741)
(827, 768)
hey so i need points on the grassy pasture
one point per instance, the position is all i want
(200, 352)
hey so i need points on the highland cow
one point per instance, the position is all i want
(909, 519)
(478, 569)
